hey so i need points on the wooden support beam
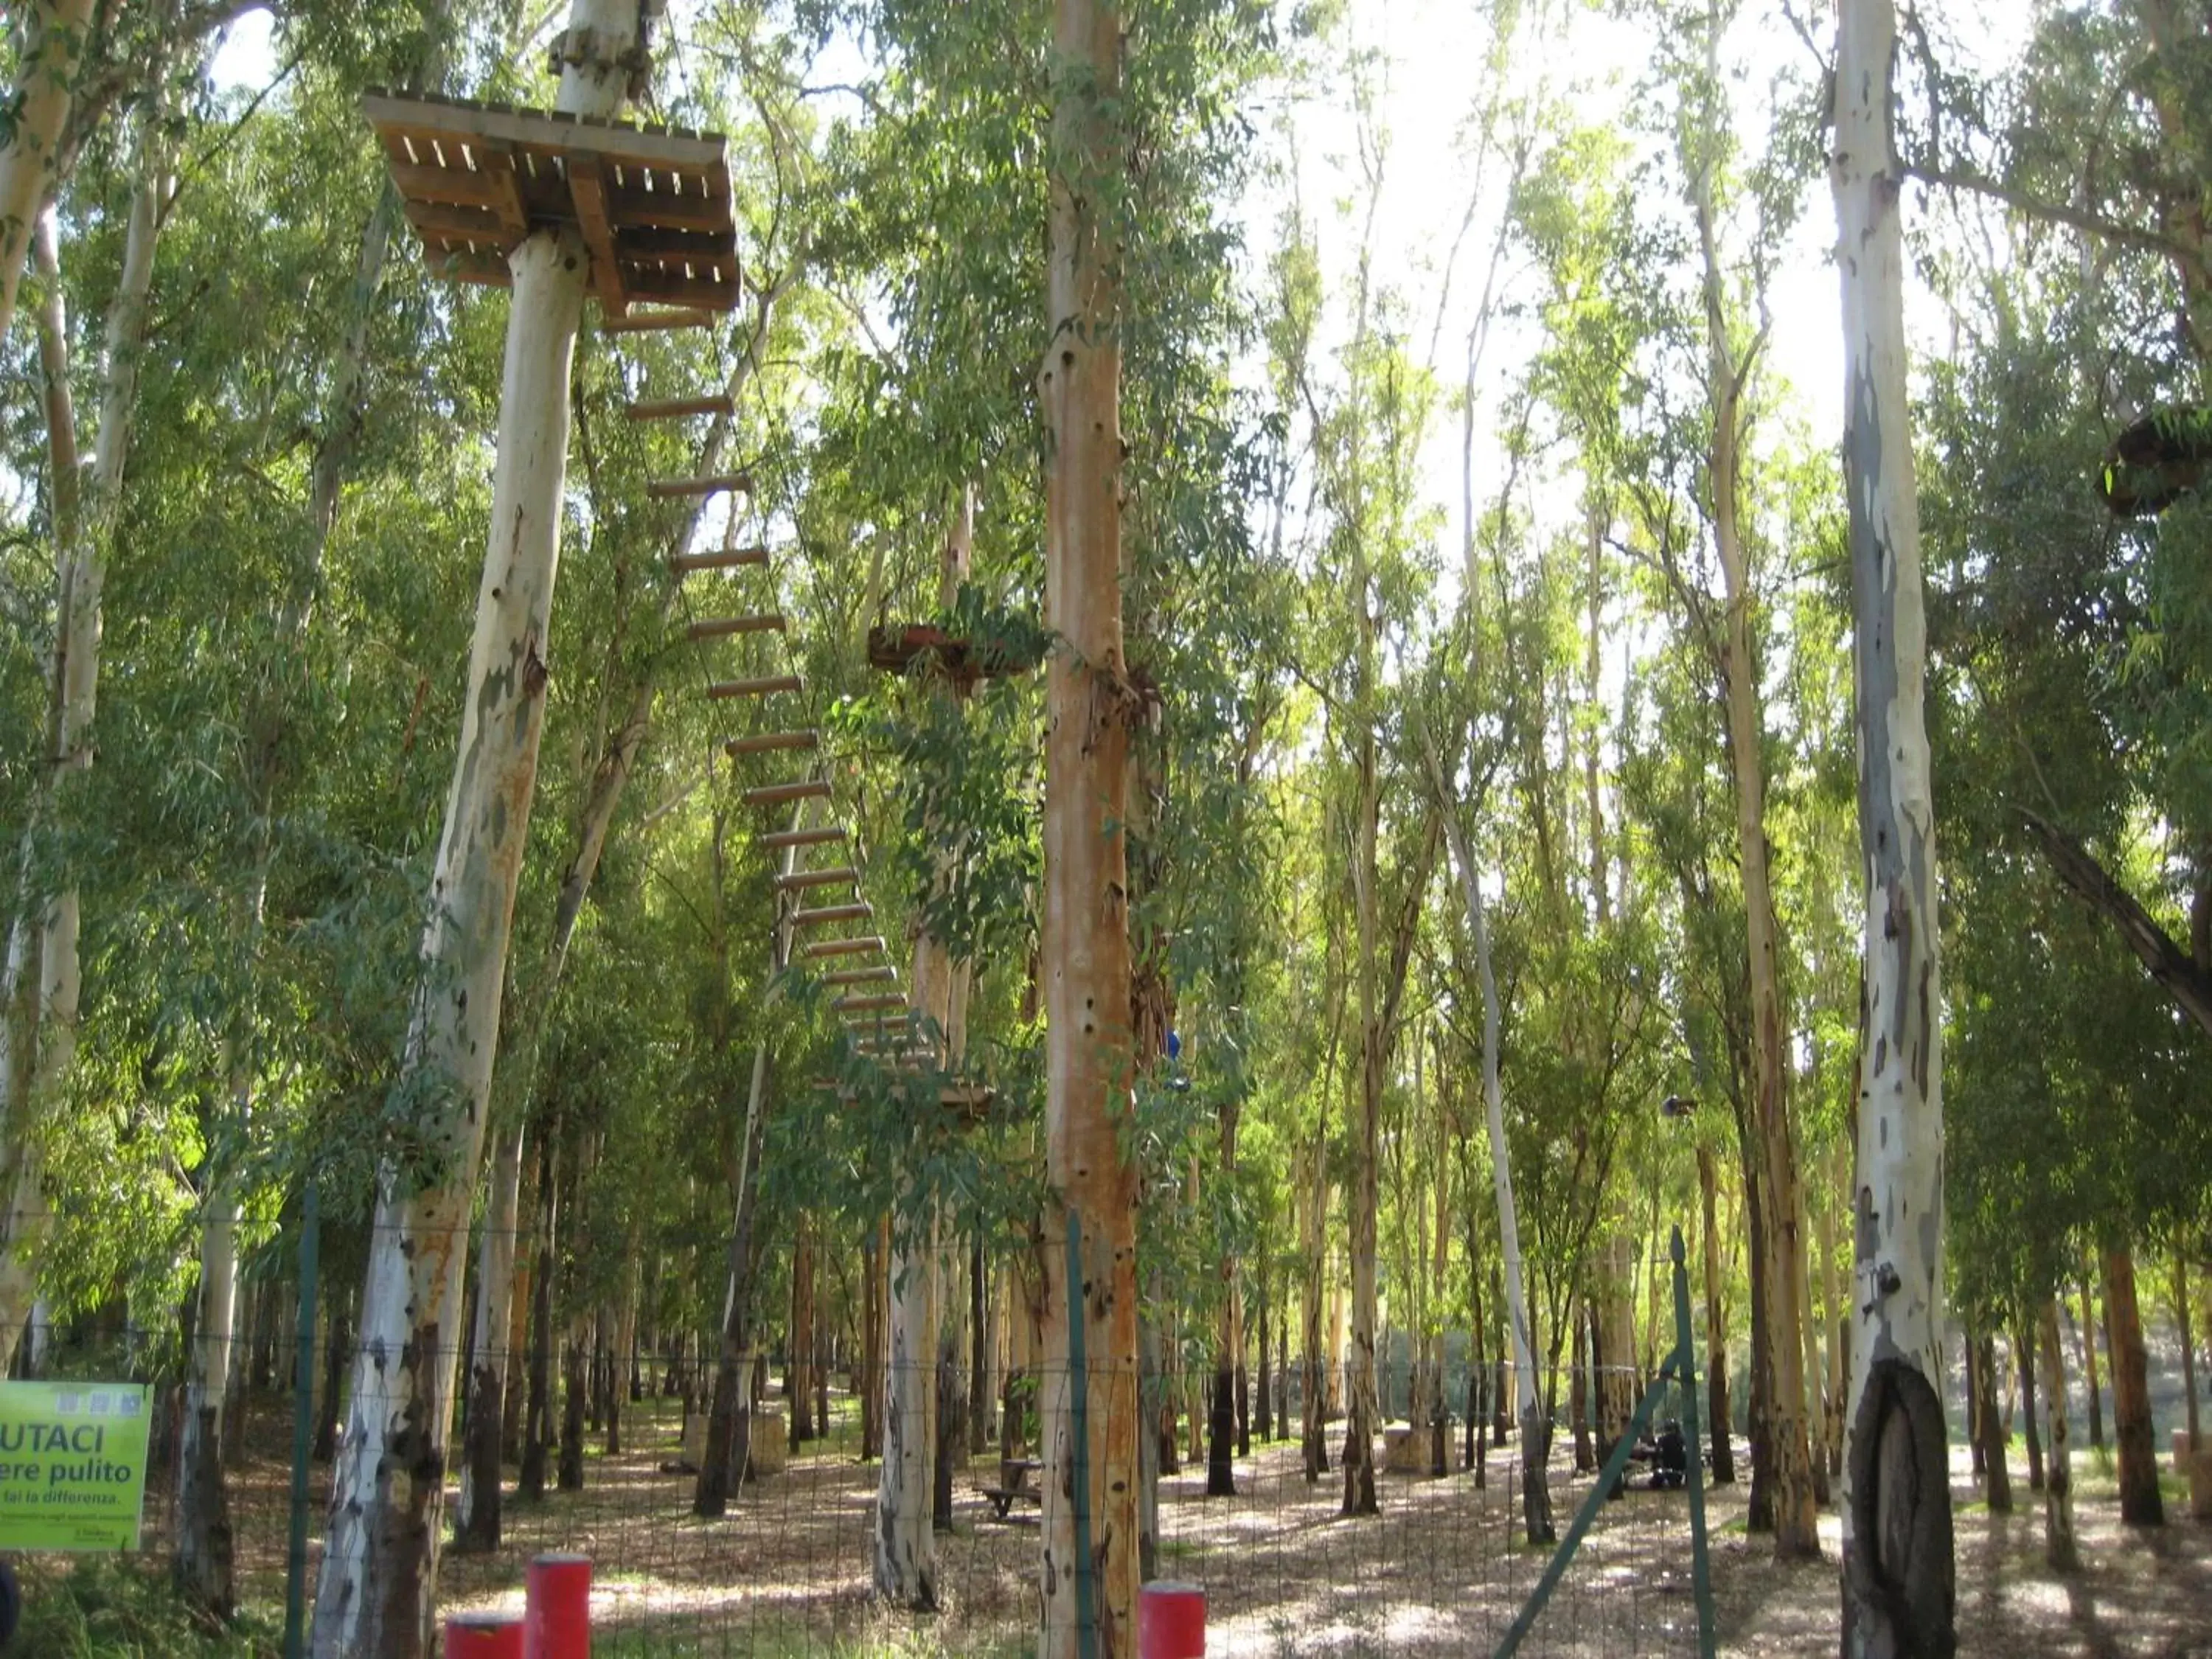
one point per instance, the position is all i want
(777, 794)
(669, 489)
(723, 690)
(867, 1004)
(645, 322)
(722, 628)
(780, 838)
(843, 947)
(762, 742)
(727, 558)
(587, 188)
(875, 976)
(861, 910)
(800, 880)
(677, 288)
(677, 408)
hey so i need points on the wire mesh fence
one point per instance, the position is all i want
(790, 1567)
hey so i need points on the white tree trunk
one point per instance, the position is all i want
(40, 1041)
(45, 81)
(376, 1594)
(1899, 1579)
(1537, 1500)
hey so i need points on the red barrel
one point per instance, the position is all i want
(556, 1623)
(483, 1635)
(1171, 1622)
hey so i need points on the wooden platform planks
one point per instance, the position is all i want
(651, 204)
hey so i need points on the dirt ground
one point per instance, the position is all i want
(1440, 1572)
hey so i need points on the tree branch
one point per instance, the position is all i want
(2177, 972)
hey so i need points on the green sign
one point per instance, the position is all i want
(72, 1465)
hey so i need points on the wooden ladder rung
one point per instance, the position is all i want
(727, 558)
(862, 1004)
(723, 690)
(822, 838)
(775, 794)
(765, 741)
(644, 322)
(859, 911)
(675, 409)
(874, 975)
(800, 880)
(843, 947)
(721, 628)
(667, 489)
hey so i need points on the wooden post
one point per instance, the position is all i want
(1085, 947)
(1899, 1581)
(377, 1591)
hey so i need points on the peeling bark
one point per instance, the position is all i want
(55, 33)
(1899, 1581)
(1085, 949)
(376, 1594)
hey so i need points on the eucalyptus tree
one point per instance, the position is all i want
(1897, 1576)
(376, 1592)
(49, 37)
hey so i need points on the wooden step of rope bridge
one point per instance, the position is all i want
(677, 408)
(800, 880)
(725, 558)
(722, 627)
(762, 742)
(777, 839)
(777, 795)
(861, 945)
(761, 686)
(713, 483)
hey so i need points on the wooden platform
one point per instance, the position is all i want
(897, 649)
(651, 204)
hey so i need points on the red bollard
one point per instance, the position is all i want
(483, 1635)
(556, 1623)
(1170, 1622)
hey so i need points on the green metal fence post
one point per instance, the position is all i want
(303, 1428)
(1701, 1577)
(1079, 1381)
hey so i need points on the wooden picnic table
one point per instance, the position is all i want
(1014, 1474)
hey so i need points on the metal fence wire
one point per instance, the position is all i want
(789, 1568)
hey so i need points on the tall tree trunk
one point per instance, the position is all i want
(536, 1424)
(1719, 1422)
(2141, 1504)
(1312, 1204)
(376, 1591)
(728, 1453)
(38, 1040)
(2188, 1342)
(2023, 1356)
(477, 1511)
(1796, 1521)
(2089, 1363)
(799, 1339)
(1266, 1386)
(1091, 1494)
(54, 36)
(2060, 1551)
(875, 1266)
(1898, 1578)
(1996, 1474)
(983, 1333)
(1535, 1437)
(575, 1386)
